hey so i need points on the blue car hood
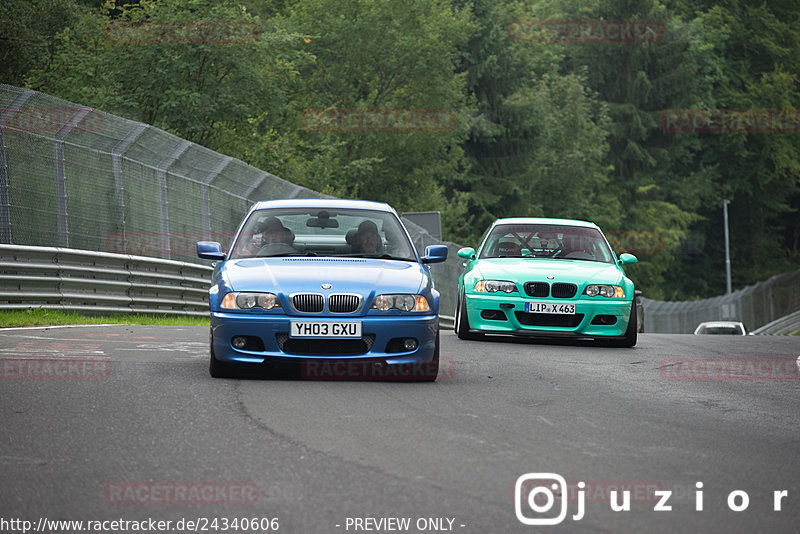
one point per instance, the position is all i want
(351, 275)
(526, 269)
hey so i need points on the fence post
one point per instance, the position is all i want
(116, 166)
(205, 203)
(5, 197)
(62, 216)
(163, 199)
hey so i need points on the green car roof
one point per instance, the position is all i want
(542, 220)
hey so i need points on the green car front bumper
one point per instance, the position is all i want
(505, 314)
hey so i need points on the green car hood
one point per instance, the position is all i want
(537, 269)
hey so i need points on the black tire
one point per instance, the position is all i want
(432, 368)
(218, 369)
(631, 333)
(462, 321)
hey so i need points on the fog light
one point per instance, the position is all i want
(409, 343)
(239, 342)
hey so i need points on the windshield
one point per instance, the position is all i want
(722, 330)
(546, 241)
(322, 232)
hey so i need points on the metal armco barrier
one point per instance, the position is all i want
(87, 281)
(785, 326)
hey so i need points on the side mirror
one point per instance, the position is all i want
(627, 259)
(435, 254)
(210, 250)
(466, 252)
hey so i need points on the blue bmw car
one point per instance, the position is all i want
(335, 286)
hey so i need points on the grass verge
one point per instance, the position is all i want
(43, 317)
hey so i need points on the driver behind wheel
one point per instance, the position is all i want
(275, 238)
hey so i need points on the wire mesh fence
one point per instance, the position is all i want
(76, 177)
(754, 305)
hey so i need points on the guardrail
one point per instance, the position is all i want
(87, 281)
(785, 326)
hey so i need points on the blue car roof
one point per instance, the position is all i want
(330, 203)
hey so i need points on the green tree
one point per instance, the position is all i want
(198, 68)
(758, 46)
(538, 142)
(372, 55)
(655, 176)
(28, 30)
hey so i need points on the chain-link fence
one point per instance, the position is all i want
(76, 177)
(754, 305)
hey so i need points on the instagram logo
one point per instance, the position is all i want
(541, 490)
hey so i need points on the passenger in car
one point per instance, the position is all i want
(367, 238)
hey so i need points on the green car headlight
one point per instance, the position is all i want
(604, 291)
(495, 286)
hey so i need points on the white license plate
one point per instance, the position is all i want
(331, 329)
(550, 307)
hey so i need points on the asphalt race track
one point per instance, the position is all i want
(132, 427)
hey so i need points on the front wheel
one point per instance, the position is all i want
(432, 368)
(631, 333)
(462, 321)
(218, 369)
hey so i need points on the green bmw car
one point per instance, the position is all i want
(548, 278)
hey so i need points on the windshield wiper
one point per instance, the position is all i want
(375, 255)
(281, 254)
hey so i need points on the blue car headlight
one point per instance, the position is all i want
(236, 300)
(495, 286)
(409, 303)
(604, 291)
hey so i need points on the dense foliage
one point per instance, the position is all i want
(534, 122)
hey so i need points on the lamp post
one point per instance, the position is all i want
(727, 248)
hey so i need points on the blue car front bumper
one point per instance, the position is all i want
(269, 341)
